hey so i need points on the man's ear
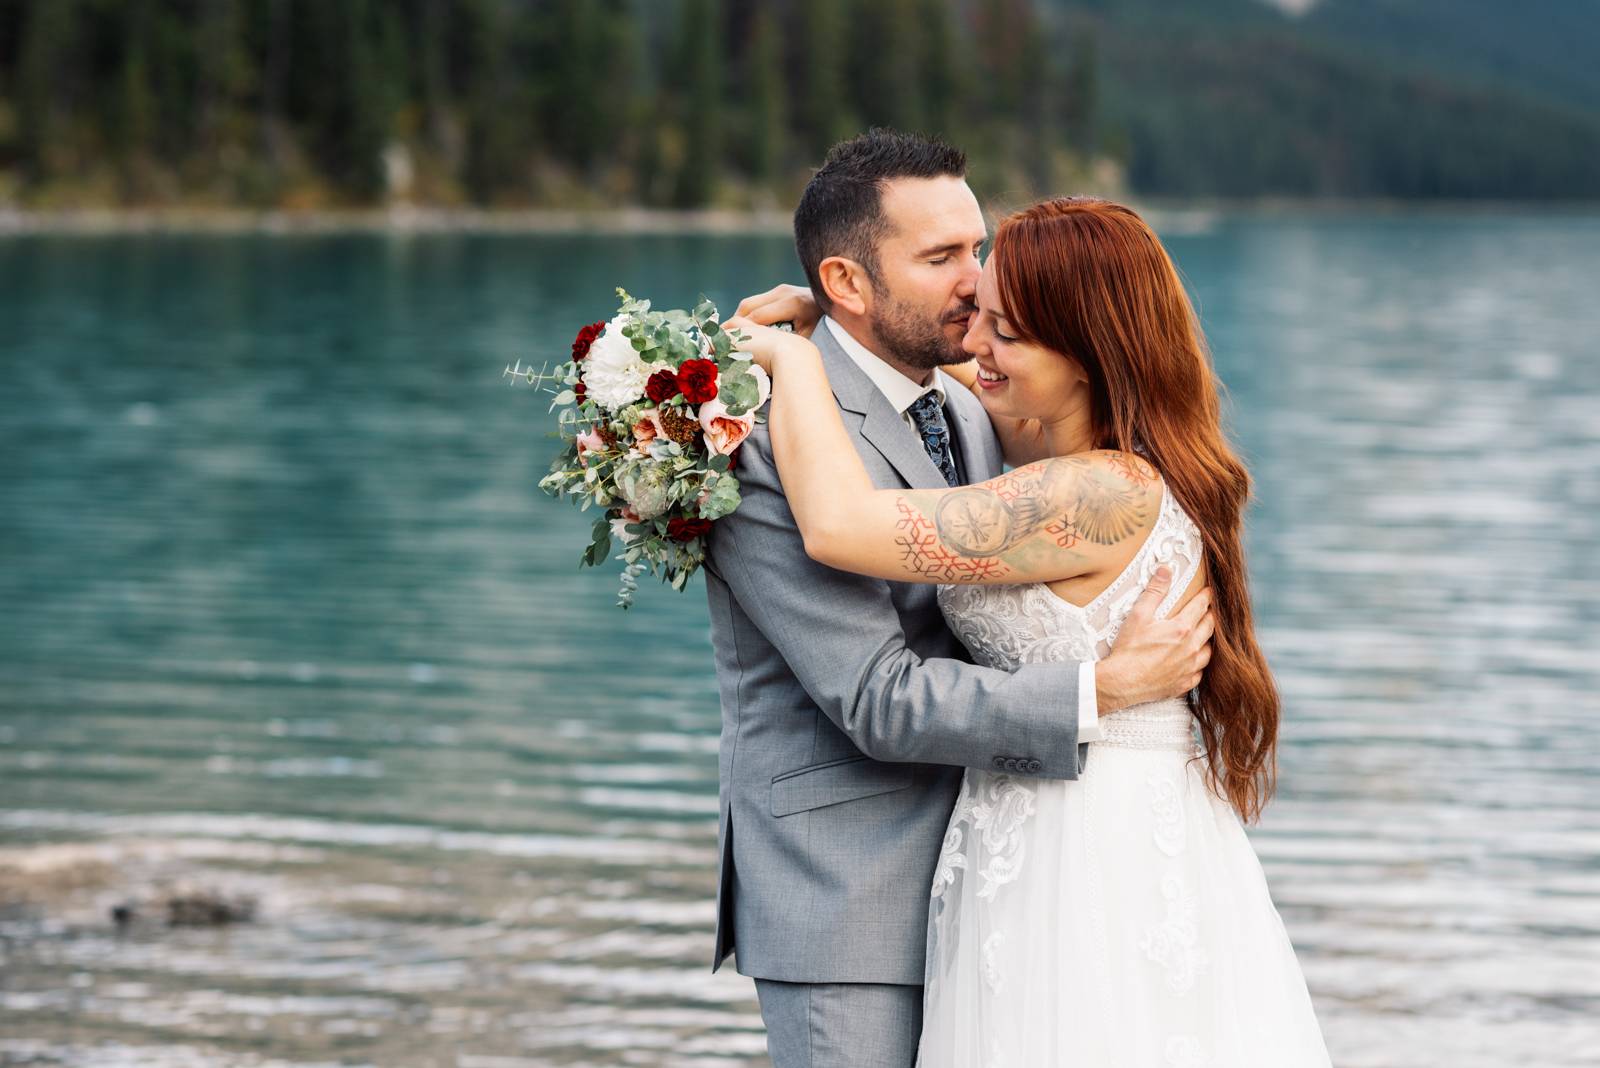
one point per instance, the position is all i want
(845, 281)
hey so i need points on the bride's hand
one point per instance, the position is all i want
(768, 346)
(783, 303)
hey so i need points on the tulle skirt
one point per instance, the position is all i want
(1118, 921)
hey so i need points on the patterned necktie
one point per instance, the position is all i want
(928, 414)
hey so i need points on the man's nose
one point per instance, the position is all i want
(967, 288)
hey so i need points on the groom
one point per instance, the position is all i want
(848, 708)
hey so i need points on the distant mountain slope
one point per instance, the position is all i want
(1549, 48)
(1400, 98)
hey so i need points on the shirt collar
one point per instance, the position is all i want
(896, 388)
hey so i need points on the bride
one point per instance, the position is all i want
(1121, 919)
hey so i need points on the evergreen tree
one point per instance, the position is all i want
(1082, 97)
(278, 41)
(884, 64)
(134, 110)
(490, 163)
(826, 37)
(1037, 78)
(220, 70)
(45, 78)
(766, 98)
(944, 83)
(433, 73)
(351, 107)
(699, 65)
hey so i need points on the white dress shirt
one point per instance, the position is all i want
(902, 393)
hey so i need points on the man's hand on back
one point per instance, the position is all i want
(1153, 658)
(1156, 658)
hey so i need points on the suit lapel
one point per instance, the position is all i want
(883, 427)
(900, 445)
(973, 433)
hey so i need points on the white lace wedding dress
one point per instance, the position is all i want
(1121, 920)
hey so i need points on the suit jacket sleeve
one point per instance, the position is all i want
(841, 637)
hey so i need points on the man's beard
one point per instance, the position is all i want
(913, 340)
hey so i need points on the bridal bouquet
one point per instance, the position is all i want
(653, 407)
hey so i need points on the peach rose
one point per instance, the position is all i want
(646, 430)
(724, 432)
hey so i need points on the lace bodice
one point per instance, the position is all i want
(1007, 626)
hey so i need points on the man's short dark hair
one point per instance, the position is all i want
(841, 210)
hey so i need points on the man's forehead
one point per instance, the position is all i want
(933, 211)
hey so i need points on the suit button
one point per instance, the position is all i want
(1011, 765)
(1035, 766)
(1000, 762)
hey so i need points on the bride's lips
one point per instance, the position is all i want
(991, 383)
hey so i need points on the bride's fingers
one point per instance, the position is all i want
(751, 304)
(801, 311)
(779, 304)
(783, 304)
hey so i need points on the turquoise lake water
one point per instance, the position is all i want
(283, 614)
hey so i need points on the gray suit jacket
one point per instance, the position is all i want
(848, 711)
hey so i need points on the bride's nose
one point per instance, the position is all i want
(972, 341)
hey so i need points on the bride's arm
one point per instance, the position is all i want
(1021, 440)
(1058, 518)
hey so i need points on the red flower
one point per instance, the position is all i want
(661, 386)
(697, 380)
(733, 458)
(581, 390)
(585, 338)
(681, 529)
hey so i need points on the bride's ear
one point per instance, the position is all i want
(845, 282)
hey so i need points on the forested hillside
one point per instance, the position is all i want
(691, 103)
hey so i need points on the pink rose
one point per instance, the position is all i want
(763, 383)
(619, 524)
(646, 430)
(724, 432)
(589, 442)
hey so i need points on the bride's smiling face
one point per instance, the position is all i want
(1017, 378)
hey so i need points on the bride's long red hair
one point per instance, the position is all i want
(1087, 277)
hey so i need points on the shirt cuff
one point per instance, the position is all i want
(1088, 704)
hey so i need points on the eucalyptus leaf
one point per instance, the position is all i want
(740, 392)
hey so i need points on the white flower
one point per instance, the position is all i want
(613, 373)
(645, 485)
(619, 525)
